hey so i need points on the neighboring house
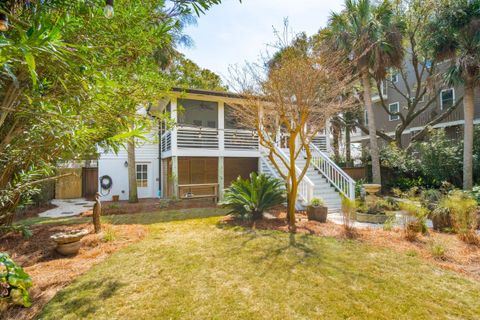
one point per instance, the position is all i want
(394, 100)
(204, 153)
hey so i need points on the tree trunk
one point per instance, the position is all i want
(293, 185)
(132, 172)
(348, 148)
(97, 212)
(468, 106)
(374, 151)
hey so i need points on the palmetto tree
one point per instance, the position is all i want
(455, 35)
(370, 36)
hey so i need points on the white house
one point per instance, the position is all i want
(205, 152)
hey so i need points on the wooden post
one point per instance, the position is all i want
(221, 178)
(97, 212)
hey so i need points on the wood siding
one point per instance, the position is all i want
(235, 167)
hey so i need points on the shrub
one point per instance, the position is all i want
(429, 198)
(462, 207)
(388, 203)
(349, 208)
(476, 193)
(14, 282)
(415, 221)
(317, 202)
(249, 198)
(437, 250)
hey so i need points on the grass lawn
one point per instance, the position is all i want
(192, 267)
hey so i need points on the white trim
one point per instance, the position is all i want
(410, 130)
(397, 117)
(453, 96)
(394, 74)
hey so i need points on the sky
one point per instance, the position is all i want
(233, 33)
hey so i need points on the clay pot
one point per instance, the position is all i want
(115, 198)
(317, 213)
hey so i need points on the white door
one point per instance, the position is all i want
(144, 180)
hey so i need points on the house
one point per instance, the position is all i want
(205, 151)
(394, 91)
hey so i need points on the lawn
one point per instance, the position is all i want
(192, 267)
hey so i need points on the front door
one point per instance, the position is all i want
(144, 180)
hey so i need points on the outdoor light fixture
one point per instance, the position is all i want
(126, 164)
(3, 22)
(108, 10)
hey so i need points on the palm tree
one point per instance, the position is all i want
(455, 35)
(370, 36)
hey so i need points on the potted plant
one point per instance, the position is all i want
(317, 210)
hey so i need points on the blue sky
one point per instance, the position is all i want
(233, 33)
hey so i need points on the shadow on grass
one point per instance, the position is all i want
(84, 299)
(135, 218)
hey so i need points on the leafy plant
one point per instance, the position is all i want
(109, 235)
(476, 193)
(416, 219)
(249, 198)
(14, 282)
(462, 208)
(21, 229)
(349, 208)
(317, 202)
(388, 203)
(429, 198)
(437, 250)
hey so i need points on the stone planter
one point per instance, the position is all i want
(68, 243)
(372, 189)
(317, 213)
(371, 218)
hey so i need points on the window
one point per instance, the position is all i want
(394, 77)
(142, 175)
(394, 108)
(197, 123)
(447, 98)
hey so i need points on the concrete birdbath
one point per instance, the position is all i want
(372, 190)
(68, 242)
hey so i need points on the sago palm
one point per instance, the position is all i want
(370, 37)
(249, 198)
(455, 34)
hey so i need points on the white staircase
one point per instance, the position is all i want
(324, 179)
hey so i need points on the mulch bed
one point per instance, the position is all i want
(51, 271)
(459, 256)
(34, 211)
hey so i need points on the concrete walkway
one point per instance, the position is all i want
(67, 208)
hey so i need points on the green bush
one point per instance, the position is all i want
(437, 250)
(476, 193)
(429, 198)
(249, 198)
(388, 203)
(418, 217)
(14, 282)
(462, 208)
(317, 202)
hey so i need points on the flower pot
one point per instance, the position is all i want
(371, 218)
(317, 213)
(115, 198)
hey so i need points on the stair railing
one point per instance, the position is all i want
(305, 186)
(271, 170)
(333, 173)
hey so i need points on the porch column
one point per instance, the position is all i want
(221, 178)
(221, 126)
(174, 117)
(175, 176)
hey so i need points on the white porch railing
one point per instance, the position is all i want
(333, 173)
(240, 139)
(197, 138)
(305, 186)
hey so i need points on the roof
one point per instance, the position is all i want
(208, 93)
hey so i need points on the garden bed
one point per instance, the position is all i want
(51, 271)
(459, 257)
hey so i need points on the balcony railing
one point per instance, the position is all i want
(197, 138)
(240, 139)
(209, 138)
